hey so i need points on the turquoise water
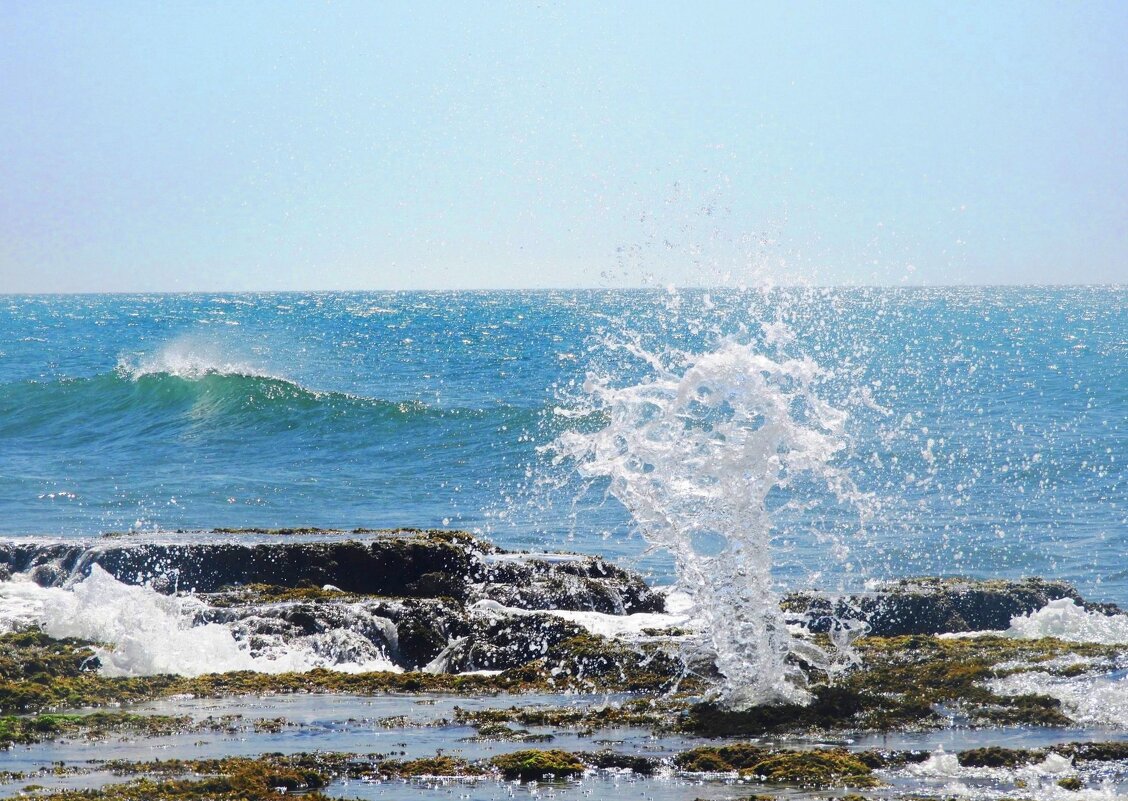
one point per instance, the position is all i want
(987, 424)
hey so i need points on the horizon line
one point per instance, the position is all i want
(633, 288)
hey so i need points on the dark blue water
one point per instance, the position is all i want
(989, 424)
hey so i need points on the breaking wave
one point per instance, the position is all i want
(142, 398)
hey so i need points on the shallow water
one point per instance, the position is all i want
(346, 723)
(360, 724)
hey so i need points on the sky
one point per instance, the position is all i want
(149, 146)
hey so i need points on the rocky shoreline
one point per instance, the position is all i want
(457, 615)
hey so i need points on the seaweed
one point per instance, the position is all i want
(538, 765)
(813, 769)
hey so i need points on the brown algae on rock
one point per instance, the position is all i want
(812, 769)
(902, 681)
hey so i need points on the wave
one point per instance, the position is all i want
(138, 399)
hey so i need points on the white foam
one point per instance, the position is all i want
(1066, 620)
(942, 772)
(940, 763)
(1089, 700)
(618, 626)
(146, 633)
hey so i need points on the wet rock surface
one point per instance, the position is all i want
(402, 563)
(935, 605)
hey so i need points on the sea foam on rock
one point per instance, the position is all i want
(410, 600)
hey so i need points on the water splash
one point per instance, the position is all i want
(705, 455)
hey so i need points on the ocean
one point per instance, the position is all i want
(979, 431)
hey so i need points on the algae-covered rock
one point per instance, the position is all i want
(440, 765)
(715, 759)
(537, 765)
(995, 756)
(811, 769)
(816, 769)
(613, 760)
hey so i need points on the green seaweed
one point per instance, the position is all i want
(439, 765)
(995, 756)
(817, 769)
(37, 728)
(537, 765)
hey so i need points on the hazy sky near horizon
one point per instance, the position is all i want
(355, 145)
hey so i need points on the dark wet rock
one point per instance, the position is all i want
(48, 575)
(304, 620)
(395, 563)
(935, 605)
(414, 597)
(583, 583)
(424, 628)
(500, 643)
(438, 634)
(401, 563)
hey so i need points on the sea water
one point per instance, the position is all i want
(987, 424)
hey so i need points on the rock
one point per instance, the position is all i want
(935, 605)
(500, 643)
(404, 563)
(586, 584)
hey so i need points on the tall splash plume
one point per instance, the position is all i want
(700, 454)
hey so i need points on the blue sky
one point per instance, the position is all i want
(275, 145)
